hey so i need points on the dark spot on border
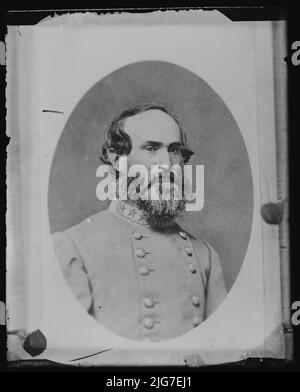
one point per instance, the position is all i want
(35, 343)
(272, 213)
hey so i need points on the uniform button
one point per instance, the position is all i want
(188, 251)
(143, 270)
(183, 235)
(192, 268)
(148, 322)
(137, 235)
(195, 301)
(148, 302)
(140, 253)
(196, 321)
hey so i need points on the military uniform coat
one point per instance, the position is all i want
(140, 283)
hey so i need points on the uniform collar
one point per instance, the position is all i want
(128, 211)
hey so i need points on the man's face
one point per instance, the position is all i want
(156, 141)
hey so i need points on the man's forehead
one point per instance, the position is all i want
(152, 124)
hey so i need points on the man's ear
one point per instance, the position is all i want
(114, 159)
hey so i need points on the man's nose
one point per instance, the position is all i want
(164, 158)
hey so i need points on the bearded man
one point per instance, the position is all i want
(132, 267)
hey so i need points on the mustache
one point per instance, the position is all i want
(161, 185)
(164, 183)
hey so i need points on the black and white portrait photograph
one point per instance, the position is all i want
(143, 172)
(130, 264)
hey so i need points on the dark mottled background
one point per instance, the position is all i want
(226, 219)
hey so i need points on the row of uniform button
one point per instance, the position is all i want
(189, 252)
(193, 270)
(143, 270)
(149, 302)
(149, 322)
(141, 253)
(138, 236)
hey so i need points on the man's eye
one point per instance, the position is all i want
(175, 149)
(150, 148)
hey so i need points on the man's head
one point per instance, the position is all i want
(149, 135)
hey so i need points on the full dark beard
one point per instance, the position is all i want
(161, 214)
(166, 205)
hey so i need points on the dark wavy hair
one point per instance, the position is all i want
(120, 142)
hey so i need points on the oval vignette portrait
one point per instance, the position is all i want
(149, 270)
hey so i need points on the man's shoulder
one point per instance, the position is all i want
(101, 224)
